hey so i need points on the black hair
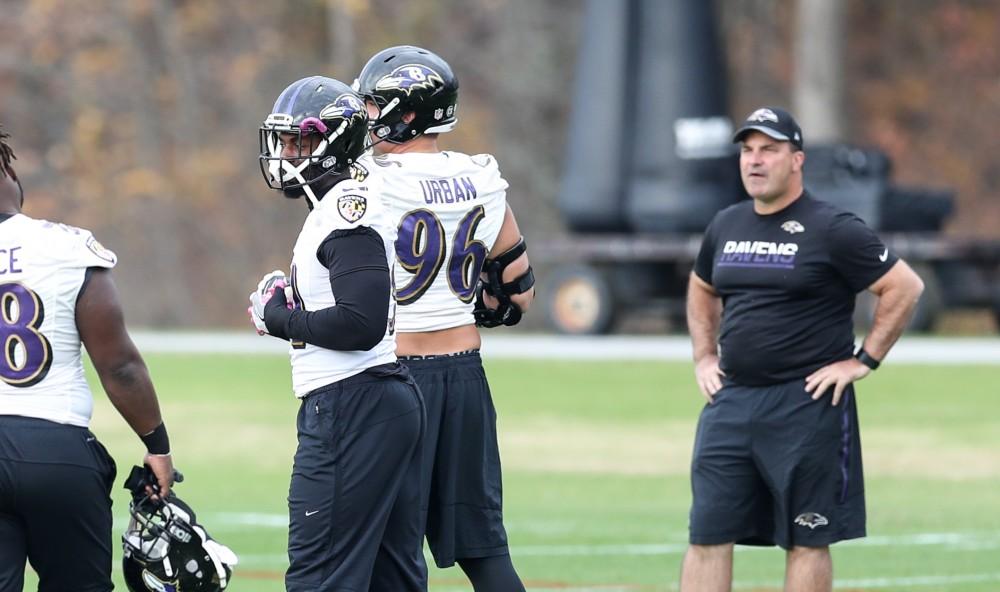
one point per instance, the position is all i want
(6, 154)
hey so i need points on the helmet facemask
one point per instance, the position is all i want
(328, 124)
(303, 173)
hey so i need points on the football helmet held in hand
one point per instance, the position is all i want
(166, 550)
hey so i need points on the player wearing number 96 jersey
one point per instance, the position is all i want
(460, 262)
(354, 500)
(56, 292)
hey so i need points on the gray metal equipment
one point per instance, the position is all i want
(650, 160)
(683, 169)
(650, 139)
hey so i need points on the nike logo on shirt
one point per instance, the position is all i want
(308, 513)
(884, 256)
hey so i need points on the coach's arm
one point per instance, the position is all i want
(898, 291)
(704, 314)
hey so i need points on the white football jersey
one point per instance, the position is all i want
(42, 268)
(448, 208)
(350, 204)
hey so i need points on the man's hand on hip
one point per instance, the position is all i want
(838, 375)
(709, 376)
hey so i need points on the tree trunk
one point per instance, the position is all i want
(340, 31)
(818, 87)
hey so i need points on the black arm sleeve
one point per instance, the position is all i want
(359, 278)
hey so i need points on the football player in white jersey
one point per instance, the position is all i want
(460, 262)
(354, 499)
(56, 292)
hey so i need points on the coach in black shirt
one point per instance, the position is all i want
(770, 306)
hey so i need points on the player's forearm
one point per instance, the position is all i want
(356, 323)
(119, 365)
(516, 269)
(130, 390)
(342, 327)
(894, 309)
(523, 301)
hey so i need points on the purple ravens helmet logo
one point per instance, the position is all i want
(346, 106)
(352, 207)
(409, 78)
(154, 583)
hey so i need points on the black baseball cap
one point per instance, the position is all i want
(775, 122)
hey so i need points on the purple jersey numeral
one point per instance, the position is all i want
(421, 247)
(21, 314)
(467, 256)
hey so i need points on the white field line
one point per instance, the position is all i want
(968, 541)
(874, 583)
(965, 541)
(909, 350)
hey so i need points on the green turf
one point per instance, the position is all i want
(595, 457)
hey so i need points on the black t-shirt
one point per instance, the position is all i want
(788, 282)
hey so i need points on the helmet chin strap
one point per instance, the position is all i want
(376, 126)
(286, 172)
(219, 554)
(311, 196)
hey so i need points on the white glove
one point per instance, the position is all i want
(265, 289)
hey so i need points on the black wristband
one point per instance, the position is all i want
(157, 441)
(866, 359)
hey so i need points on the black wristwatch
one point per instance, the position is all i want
(866, 359)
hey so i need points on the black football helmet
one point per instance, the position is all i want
(407, 78)
(315, 109)
(166, 550)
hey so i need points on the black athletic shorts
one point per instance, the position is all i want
(55, 506)
(463, 496)
(354, 500)
(773, 467)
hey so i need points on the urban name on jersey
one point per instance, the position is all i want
(453, 190)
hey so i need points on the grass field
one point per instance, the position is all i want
(595, 472)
